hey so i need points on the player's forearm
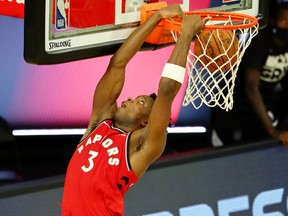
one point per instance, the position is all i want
(190, 26)
(257, 103)
(264, 118)
(175, 72)
(181, 49)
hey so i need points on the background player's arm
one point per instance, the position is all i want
(252, 81)
(110, 86)
(154, 134)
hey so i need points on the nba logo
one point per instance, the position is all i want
(62, 14)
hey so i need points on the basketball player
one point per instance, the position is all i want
(261, 91)
(122, 141)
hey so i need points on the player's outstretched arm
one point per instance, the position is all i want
(110, 86)
(154, 134)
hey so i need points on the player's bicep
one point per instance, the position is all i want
(144, 152)
(160, 116)
(156, 130)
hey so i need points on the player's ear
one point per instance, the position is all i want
(144, 123)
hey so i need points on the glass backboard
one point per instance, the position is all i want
(57, 31)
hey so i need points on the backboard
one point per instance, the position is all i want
(57, 31)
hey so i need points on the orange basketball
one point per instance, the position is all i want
(219, 45)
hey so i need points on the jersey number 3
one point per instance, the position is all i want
(91, 162)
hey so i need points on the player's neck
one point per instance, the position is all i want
(124, 127)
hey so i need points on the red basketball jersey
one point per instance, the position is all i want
(99, 174)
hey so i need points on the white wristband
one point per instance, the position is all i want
(174, 72)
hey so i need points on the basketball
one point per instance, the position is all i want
(216, 49)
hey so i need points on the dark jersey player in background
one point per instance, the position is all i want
(121, 142)
(261, 91)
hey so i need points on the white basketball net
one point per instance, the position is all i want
(215, 88)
